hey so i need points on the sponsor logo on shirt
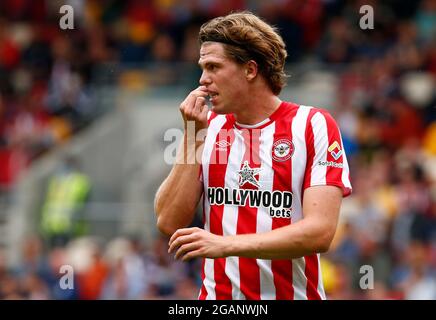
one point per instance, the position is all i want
(247, 175)
(330, 164)
(279, 203)
(282, 150)
(335, 150)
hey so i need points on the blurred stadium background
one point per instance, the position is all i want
(83, 114)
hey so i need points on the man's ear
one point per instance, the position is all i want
(251, 70)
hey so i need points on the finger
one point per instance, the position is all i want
(180, 232)
(198, 107)
(192, 254)
(194, 94)
(202, 89)
(177, 243)
(186, 248)
(192, 97)
(203, 113)
(181, 240)
(176, 234)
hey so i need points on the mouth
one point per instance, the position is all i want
(213, 96)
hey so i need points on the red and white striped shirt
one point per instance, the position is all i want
(254, 178)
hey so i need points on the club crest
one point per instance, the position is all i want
(282, 150)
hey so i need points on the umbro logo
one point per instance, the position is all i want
(222, 145)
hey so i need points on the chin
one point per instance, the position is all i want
(219, 110)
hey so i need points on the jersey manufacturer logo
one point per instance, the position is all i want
(335, 150)
(247, 175)
(222, 145)
(282, 150)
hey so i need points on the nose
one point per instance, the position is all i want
(204, 79)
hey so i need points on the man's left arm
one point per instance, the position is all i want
(312, 234)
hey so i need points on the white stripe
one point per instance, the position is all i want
(299, 278)
(264, 220)
(209, 280)
(230, 212)
(320, 282)
(214, 127)
(213, 130)
(321, 143)
(299, 159)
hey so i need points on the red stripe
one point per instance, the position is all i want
(311, 272)
(249, 273)
(282, 269)
(217, 172)
(203, 292)
(333, 175)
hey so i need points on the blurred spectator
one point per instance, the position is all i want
(128, 277)
(168, 274)
(416, 278)
(66, 95)
(337, 46)
(34, 259)
(426, 20)
(85, 255)
(56, 259)
(62, 211)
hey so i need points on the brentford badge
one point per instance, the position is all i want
(282, 150)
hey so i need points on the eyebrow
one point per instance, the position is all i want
(204, 64)
(214, 62)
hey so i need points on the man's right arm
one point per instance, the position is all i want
(178, 196)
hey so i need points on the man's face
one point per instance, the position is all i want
(223, 77)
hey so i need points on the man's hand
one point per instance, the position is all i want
(195, 242)
(194, 108)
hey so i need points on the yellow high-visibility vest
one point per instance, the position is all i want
(65, 195)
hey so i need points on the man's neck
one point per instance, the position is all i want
(258, 108)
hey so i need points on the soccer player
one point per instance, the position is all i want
(272, 173)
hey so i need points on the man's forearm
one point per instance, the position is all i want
(178, 196)
(296, 240)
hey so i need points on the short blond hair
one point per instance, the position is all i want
(247, 37)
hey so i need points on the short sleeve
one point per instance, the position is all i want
(326, 159)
